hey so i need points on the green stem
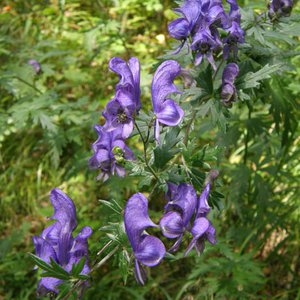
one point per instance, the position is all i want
(247, 137)
(217, 71)
(145, 151)
(29, 84)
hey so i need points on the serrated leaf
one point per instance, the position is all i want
(253, 80)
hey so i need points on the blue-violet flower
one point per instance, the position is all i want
(120, 111)
(228, 93)
(110, 152)
(166, 110)
(148, 250)
(178, 212)
(57, 242)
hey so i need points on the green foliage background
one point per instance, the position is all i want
(46, 131)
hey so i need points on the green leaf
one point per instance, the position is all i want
(253, 80)
(39, 262)
(77, 268)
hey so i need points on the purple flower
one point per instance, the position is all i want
(36, 65)
(279, 8)
(181, 28)
(178, 211)
(120, 111)
(202, 229)
(148, 250)
(235, 32)
(228, 93)
(204, 43)
(110, 152)
(166, 110)
(57, 242)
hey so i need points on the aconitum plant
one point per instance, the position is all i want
(159, 143)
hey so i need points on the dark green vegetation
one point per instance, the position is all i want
(46, 130)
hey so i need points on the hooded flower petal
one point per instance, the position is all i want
(162, 83)
(136, 218)
(134, 66)
(179, 28)
(148, 250)
(203, 206)
(129, 77)
(184, 199)
(167, 111)
(64, 209)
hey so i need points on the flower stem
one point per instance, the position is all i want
(145, 144)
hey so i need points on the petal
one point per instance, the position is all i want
(177, 244)
(200, 227)
(150, 251)
(48, 284)
(171, 225)
(198, 59)
(191, 11)
(179, 28)
(104, 139)
(134, 66)
(156, 131)
(139, 273)
(128, 154)
(169, 113)
(203, 206)
(230, 73)
(127, 129)
(211, 60)
(162, 83)
(185, 199)
(172, 191)
(119, 66)
(228, 93)
(121, 172)
(80, 249)
(65, 214)
(64, 209)
(43, 249)
(99, 157)
(136, 218)
(211, 234)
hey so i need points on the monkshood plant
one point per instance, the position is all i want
(213, 66)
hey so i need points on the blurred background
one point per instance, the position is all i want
(46, 130)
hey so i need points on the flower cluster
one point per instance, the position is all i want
(200, 22)
(57, 242)
(110, 150)
(279, 8)
(184, 212)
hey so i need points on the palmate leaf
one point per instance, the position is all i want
(253, 79)
(166, 150)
